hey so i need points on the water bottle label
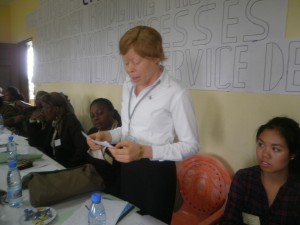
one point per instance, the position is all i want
(11, 156)
(14, 194)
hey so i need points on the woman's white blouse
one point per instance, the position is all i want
(164, 119)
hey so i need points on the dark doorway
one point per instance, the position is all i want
(13, 67)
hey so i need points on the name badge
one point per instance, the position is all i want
(57, 143)
(108, 158)
(250, 219)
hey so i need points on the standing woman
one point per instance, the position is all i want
(158, 126)
(269, 193)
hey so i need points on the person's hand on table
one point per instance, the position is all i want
(127, 151)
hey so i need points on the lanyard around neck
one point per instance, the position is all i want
(130, 115)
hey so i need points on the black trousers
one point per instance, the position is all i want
(151, 186)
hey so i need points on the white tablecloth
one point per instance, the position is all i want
(65, 210)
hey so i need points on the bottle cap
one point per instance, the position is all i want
(10, 138)
(96, 198)
(12, 164)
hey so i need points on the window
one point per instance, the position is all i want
(30, 64)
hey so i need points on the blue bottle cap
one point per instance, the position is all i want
(96, 198)
(10, 138)
(12, 164)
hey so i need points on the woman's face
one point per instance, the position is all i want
(101, 117)
(8, 97)
(48, 111)
(142, 71)
(272, 152)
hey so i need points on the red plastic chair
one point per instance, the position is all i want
(204, 183)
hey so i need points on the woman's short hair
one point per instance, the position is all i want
(144, 40)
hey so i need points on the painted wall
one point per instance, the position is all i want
(5, 27)
(227, 121)
(293, 18)
(13, 21)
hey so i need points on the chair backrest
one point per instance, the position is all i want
(204, 183)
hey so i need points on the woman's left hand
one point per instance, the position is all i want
(127, 151)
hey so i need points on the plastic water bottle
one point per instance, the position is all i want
(1, 124)
(97, 215)
(14, 185)
(11, 149)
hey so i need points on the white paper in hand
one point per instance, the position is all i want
(102, 143)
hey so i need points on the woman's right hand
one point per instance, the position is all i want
(98, 136)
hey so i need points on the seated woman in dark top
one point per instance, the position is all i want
(62, 140)
(34, 112)
(269, 193)
(105, 117)
(13, 96)
(8, 112)
(37, 124)
(14, 100)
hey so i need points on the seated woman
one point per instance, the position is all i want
(14, 99)
(34, 112)
(8, 112)
(105, 117)
(37, 124)
(63, 141)
(269, 193)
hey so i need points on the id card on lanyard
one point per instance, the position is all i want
(250, 219)
(55, 143)
(130, 114)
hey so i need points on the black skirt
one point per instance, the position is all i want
(151, 186)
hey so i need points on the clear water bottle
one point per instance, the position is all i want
(97, 215)
(11, 149)
(14, 185)
(1, 124)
